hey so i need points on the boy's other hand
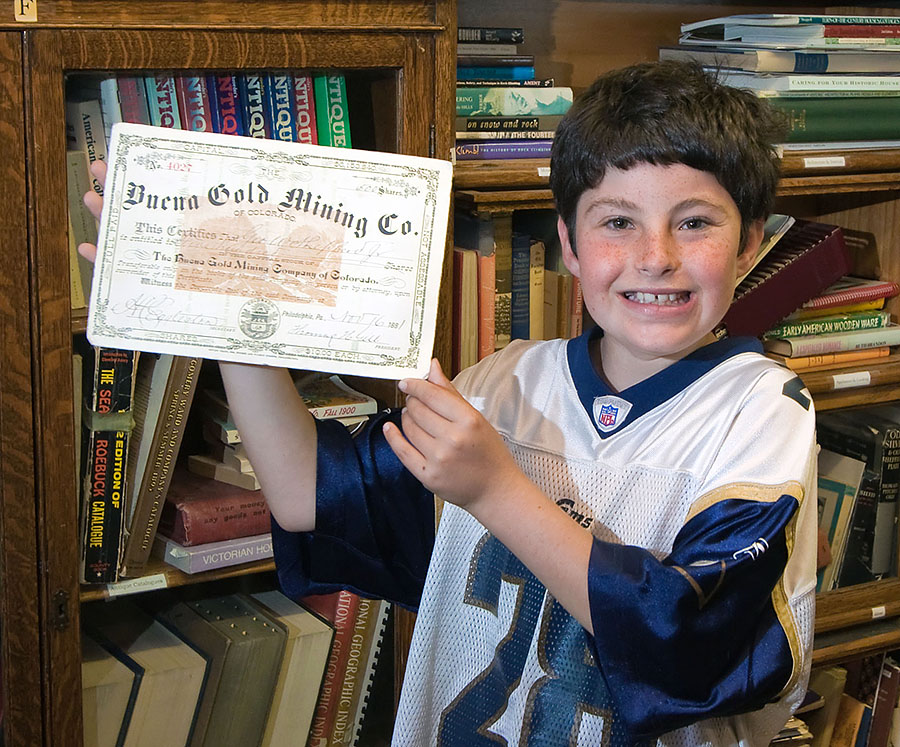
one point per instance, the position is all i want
(94, 203)
(448, 445)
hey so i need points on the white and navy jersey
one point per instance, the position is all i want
(698, 487)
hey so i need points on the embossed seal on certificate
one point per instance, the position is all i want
(264, 251)
(258, 319)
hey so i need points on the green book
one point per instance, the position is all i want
(835, 118)
(830, 324)
(332, 115)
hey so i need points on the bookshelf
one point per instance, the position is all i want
(574, 41)
(398, 53)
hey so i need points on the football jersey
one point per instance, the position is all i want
(698, 486)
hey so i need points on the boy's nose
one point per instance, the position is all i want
(660, 255)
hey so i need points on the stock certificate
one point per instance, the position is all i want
(261, 251)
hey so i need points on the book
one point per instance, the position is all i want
(873, 436)
(109, 687)
(365, 646)
(856, 565)
(252, 98)
(848, 308)
(829, 118)
(824, 361)
(502, 149)
(830, 324)
(133, 102)
(487, 282)
(207, 466)
(835, 342)
(473, 135)
(848, 722)
(520, 286)
(221, 430)
(512, 101)
(529, 83)
(194, 104)
(280, 104)
(838, 481)
(162, 101)
(886, 699)
(250, 654)
(851, 290)
(164, 392)
(487, 48)
(208, 556)
(464, 322)
(545, 123)
(108, 388)
(305, 109)
(513, 35)
(110, 106)
(494, 60)
(302, 669)
(198, 511)
(829, 682)
(339, 609)
(332, 110)
(167, 701)
(730, 55)
(818, 83)
(803, 262)
(82, 228)
(84, 127)
(499, 72)
(329, 396)
(227, 114)
(537, 258)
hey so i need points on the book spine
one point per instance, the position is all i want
(84, 132)
(493, 34)
(162, 101)
(843, 341)
(507, 135)
(576, 308)
(857, 564)
(530, 83)
(516, 72)
(822, 326)
(503, 275)
(280, 106)
(225, 105)
(497, 48)
(520, 304)
(110, 106)
(372, 653)
(537, 256)
(487, 282)
(827, 118)
(200, 522)
(133, 100)
(507, 101)
(849, 20)
(344, 606)
(218, 554)
(252, 96)
(305, 109)
(154, 484)
(108, 424)
(493, 124)
(487, 149)
(861, 31)
(495, 60)
(352, 682)
(332, 112)
(193, 103)
(82, 228)
(342, 411)
(853, 295)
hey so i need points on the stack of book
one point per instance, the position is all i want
(502, 109)
(836, 77)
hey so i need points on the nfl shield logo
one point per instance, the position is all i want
(608, 415)
(610, 412)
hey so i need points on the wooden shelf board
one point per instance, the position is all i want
(175, 577)
(851, 643)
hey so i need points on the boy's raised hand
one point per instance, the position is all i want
(94, 203)
(448, 445)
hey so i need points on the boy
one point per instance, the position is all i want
(628, 545)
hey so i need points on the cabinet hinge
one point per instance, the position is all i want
(432, 137)
(59, 612)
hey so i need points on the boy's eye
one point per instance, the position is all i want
(618, 223)
(692, 224)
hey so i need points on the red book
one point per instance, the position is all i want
(861, 30)
(193, 103)
(464, 345)
(305, 109)
(199, 510)
(806, 260)
(339, 609)
(487, 281)
(133, 100)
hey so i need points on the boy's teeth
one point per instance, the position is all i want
(657, 298)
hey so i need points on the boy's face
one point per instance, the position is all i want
(658, 260)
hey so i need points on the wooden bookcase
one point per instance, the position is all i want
(402, 49)
(573, 41)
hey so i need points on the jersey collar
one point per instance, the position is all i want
(611, 411)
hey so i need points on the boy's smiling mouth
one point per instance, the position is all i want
(658, 299)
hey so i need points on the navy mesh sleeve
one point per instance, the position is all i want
(374, 522)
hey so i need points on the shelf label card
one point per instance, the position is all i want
(824, 162)
(137, 585)
(25, 11)
(878, 612)
(851, 380)
(263, 251)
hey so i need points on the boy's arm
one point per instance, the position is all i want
(279, 435)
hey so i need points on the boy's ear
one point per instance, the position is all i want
(753, 240)
(570, 260)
